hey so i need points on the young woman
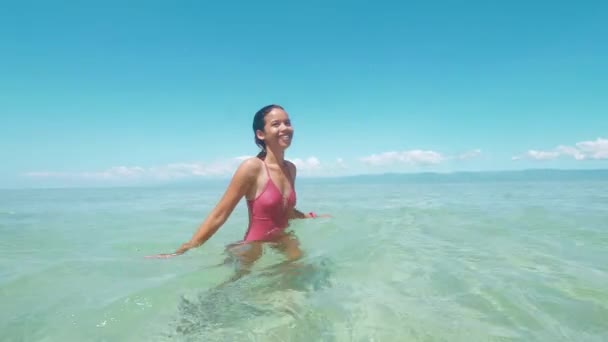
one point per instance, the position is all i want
(267, 182)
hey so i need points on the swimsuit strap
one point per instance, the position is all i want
(267, 172)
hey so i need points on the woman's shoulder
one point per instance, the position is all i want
(248, 171)
(250, 166)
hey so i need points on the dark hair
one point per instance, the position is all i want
(258, 124)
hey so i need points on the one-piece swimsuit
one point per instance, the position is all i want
(269, 211)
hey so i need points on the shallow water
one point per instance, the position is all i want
(441, 260)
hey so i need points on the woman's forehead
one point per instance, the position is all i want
(277, 114)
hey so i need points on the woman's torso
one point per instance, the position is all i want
(269, 209)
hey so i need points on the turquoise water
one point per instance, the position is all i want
(437, 258)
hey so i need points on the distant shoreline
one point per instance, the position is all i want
(540, 175)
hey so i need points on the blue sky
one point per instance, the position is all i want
(155, 91)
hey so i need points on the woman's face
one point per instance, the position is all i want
(278, 131)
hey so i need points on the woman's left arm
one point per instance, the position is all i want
(296, 214)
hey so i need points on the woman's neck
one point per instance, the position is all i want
(273, 157)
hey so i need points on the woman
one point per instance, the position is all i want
(267, 182)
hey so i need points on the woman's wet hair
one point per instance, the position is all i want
(258, 124)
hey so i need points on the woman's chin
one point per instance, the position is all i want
(284, 144)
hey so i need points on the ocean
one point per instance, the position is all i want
(514, 256)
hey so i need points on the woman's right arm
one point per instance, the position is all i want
(244, 178)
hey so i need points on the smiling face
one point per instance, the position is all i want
(278, 131)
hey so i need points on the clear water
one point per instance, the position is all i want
(446, 259)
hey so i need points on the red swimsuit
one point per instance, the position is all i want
(268, 212)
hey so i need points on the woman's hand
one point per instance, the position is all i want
(312, 214)
(324, 215)
(161, 256)
(186, 246)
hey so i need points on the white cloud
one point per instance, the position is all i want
(312, 166)
(164, 172)
(175, 171)
(309, 164)
(415, 157)
(196, 169)
(114, 173)
(570, 151)
(597, 149)
(542, 155)
(470, 154)
(584, 150)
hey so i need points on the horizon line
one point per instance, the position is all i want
(202, 180)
